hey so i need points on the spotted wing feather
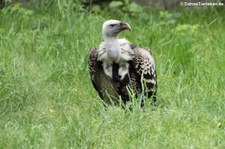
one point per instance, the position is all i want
(145, 73)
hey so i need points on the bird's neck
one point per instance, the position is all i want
(112, 48)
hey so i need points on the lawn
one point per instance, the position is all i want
(47, 99)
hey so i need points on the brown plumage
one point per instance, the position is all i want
(117, 67)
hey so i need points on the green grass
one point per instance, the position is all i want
(47, 99)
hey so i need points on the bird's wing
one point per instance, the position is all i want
(145, 71)
(94, 68)
(92, 61)
(102, 83)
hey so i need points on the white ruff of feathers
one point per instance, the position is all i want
(125, 52)
(107, 56)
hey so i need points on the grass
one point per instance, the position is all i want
(47, 99)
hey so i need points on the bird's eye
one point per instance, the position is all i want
(112, 25)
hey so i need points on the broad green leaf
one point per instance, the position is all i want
(133, 7)
(115, 4)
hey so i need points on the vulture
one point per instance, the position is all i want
(120, 70)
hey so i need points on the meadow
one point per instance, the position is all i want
(47, 99)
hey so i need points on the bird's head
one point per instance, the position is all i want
(112, 28)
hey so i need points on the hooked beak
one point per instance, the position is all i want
(125, 26)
